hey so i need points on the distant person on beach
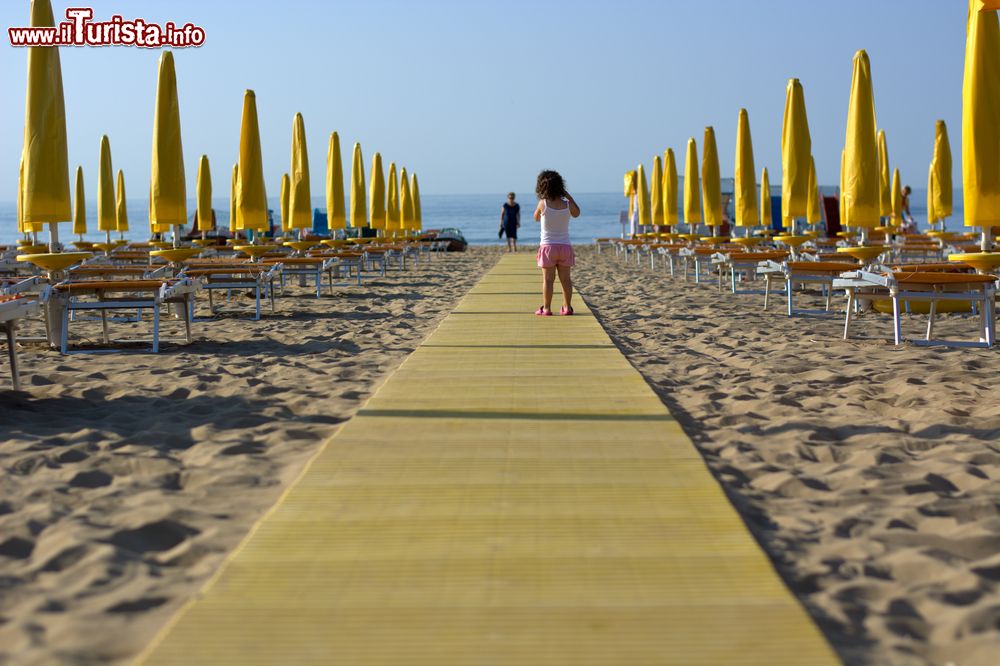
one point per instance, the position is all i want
(909, 226)
(555, 252)
(510, 221)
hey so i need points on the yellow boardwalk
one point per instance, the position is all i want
(514, 494)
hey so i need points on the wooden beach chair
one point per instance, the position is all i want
(229, 275)
(793, 273)
(13, 308)
(932, 287)
(303, 268)
(742, 266)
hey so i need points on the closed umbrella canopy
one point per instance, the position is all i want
(251, 193)
(670, 202)
(944, 192)
(932, 195)
(45, 188)
(359, 214)
(631, 188)
(796, 149)
(106, 216)
(884, 180)
(336, 207)
(814, 213)
(418, 212)
(645, 214)
(79, 205)
(897, 199)
(392, 200)
(765, 198)
(168, 205)
(203, 190)
(233, 185)
(405, 201)
(20, 197)
(981, 120)
(121, 211)
(656, 192)
(299, 198)
(711, 180)
(843, 204)
(745, 195)
(861, 173)
(283, 202)
(376, 194)
(692, 198)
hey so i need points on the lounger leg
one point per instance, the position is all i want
(64, 333)
(732, 277)
(829, 295)
(767, 290)
(256, 292)
(930, 320)
(897, 324)
(211, 303)
(188, 307)
(850, 312)
(271, 294)
(788, 291)
(156, 328)
(15, 377)
(991, 318)
(720, 279)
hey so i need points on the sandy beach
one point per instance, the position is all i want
(128, 477)
(869, 473)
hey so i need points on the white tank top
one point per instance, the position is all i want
(555, 225)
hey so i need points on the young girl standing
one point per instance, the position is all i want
(555, 252)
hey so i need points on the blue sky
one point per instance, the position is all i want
(477, 97)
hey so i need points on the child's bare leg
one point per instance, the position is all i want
(567, 284)
(548, 281)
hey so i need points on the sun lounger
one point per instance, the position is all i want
(736, 264)
(305, 267)
(105, 295)
(792, 273)
(238, 275)
(353, 261)
(924, 286)
(13, 308)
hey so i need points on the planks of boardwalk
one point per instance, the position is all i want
(513, 494)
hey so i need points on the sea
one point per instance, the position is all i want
(476, 215)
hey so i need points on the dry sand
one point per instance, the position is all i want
(869, 473)
(128, 477)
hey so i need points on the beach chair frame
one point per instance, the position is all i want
(12, 310)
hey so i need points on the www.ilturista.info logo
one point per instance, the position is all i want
(80, 30)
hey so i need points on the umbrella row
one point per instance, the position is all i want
(391, 206)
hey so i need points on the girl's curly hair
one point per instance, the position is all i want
(550, 185)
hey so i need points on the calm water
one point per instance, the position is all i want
(477, 215)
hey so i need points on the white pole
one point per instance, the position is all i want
(53, 237)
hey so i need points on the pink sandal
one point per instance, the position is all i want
(566, 310)
(543, 312)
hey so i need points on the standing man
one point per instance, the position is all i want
(510, 221)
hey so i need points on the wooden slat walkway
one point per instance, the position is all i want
(514, 493)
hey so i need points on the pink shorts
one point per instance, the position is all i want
(550, 256)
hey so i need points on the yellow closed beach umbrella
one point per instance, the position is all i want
(251, 193)
(79, 206)
(861, 170)
(631, 188)
(106, 216)
(692, 197)
(884, 180)
(897, 199)
(283, 199)
(932, 196)
(944, 190)
(121, 210)
(656, 192)
(796, 150)
(45, 183)
(670, 202)
(405, 201)
(203, 194)
(336, 208)
(814, 212)
(418, 212)
(392, 200)
(642, 195)
(20, 196)
(376, 194)
(168, 191)
(359, 214)
(299, 197)
(981, 123)
(765, 199)
(233, 184)
(745, 186)
(711, 182)
(843, 205)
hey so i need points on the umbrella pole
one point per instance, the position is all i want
(177, 229)
(107, 237)
(53, 236)
(986, 242)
